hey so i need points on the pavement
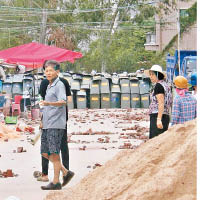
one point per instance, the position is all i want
(95, 136)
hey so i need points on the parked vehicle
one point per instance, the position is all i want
(188, 64)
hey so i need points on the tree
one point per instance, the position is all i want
(110, 35)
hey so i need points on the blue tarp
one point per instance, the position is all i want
(170, 67)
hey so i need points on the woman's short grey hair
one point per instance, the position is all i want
(52, 63)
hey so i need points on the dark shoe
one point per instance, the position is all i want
(67, 178)
(52, 186)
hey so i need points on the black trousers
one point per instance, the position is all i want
(154, 130)
(64, 154)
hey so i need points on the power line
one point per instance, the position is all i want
(130, 27)
(70, 24)
(81, 24)
(21, 27)
(15, 35)
(27, 21)
(60, 11)
(12, 20)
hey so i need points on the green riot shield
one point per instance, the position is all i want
(94, 101)
(70, 102)
(135, 100)
(81, 99)
(105, 100)
(145, 100)
(125, 101)
(115, 100)
(125, 86)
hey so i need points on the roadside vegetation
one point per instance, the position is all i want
(110, 36)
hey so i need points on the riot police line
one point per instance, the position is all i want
(88, 91)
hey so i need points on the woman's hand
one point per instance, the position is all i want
(41, 125)
(44, 103)
(159, 123)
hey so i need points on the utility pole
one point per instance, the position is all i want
(43, 26)
(179, 35)
(30, 3)
(9, 36)
(103, 64)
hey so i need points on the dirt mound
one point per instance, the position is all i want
(162, 168)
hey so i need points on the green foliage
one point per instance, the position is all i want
(103, 45)
(146, 12)
(189, 17)
(126, 52)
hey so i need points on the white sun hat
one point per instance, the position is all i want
(157, 68)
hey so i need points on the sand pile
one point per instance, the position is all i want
(162, 168)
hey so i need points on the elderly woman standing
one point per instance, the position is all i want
(161, 102)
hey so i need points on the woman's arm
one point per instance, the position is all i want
(160, 99)
(57, 103)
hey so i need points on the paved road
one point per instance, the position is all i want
(25, 187)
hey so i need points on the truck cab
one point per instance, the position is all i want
(189, 66)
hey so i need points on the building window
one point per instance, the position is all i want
(150, 38)
(184, 13)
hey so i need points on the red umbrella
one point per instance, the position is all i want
(34, 54)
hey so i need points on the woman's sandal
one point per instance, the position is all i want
(43, 178)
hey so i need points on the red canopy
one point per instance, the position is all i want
(34, 54)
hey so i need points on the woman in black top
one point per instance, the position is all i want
(161, 100)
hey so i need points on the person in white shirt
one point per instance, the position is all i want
(2, 73)
(20, 69)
